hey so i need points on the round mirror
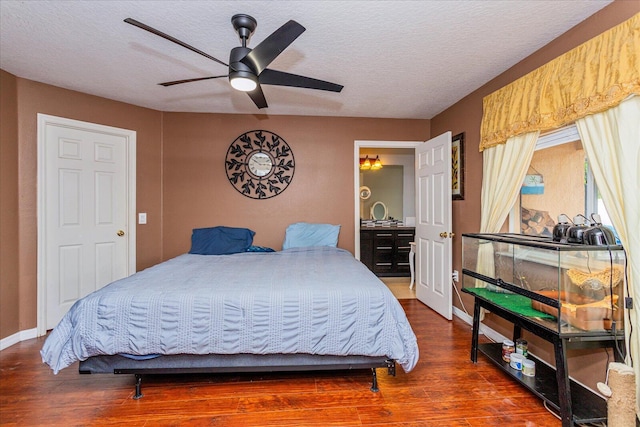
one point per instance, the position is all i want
(378, 211)
(365, 192)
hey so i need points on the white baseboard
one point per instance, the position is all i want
(484, 330)
(462, 315)
(17, 337)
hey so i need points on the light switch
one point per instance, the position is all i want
(142, 218)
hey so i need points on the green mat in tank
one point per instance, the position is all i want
(514, 302)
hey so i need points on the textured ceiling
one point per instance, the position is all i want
(396, 59)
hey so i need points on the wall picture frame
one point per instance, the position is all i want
(457, 167)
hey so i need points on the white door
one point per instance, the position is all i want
(85, 212)
(433, 224)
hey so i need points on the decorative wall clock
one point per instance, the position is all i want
(259, 164)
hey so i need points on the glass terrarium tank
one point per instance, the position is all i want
(568, 288)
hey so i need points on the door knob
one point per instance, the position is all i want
(120, 233)
(443, 235)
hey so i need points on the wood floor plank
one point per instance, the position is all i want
(529, 420)
(446, 410)
(444, 389)
(283, 402)
(299, 418)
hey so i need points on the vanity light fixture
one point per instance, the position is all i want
(377, 164)
(365, 164)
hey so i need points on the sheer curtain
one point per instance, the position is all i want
(503, 169)
(611, 140)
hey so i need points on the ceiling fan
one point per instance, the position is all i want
(248, 67)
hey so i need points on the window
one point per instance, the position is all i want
(559, 181)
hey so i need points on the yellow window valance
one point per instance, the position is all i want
(590, 78)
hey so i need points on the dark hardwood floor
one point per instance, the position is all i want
(445, 389)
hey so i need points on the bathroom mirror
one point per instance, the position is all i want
(386, 184)
(379, 211)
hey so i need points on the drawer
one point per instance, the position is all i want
(383, 257)
(403, 253)
(366, 235)
(383, 244)
(404, 241)
(405, 235)
(382, 267)
(403, 267)
(402, 258)
(403, 247)
(384, 234)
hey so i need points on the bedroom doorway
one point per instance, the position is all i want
(86, 211)
(433, 259)
(361, 146)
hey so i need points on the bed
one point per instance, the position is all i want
(302, 308)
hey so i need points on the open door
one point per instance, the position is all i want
(433, 224)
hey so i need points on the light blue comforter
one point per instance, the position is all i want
(317, 300)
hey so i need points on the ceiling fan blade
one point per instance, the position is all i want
(280, 78)
(257, 96)
(177, 82)
(263, 54)
(173, 39)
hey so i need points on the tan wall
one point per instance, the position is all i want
(466, 116)
(9, 241)
(198, 194)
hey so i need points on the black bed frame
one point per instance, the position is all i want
(231, 363)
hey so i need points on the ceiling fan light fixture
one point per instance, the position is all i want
(243, 81)
(243, 84)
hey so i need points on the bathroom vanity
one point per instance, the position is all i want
(385, 250)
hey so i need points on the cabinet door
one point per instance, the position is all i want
(366, 248)
(403, 248)
(383, 251)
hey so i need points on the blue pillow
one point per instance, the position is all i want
(220, 240)
(304, 234)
